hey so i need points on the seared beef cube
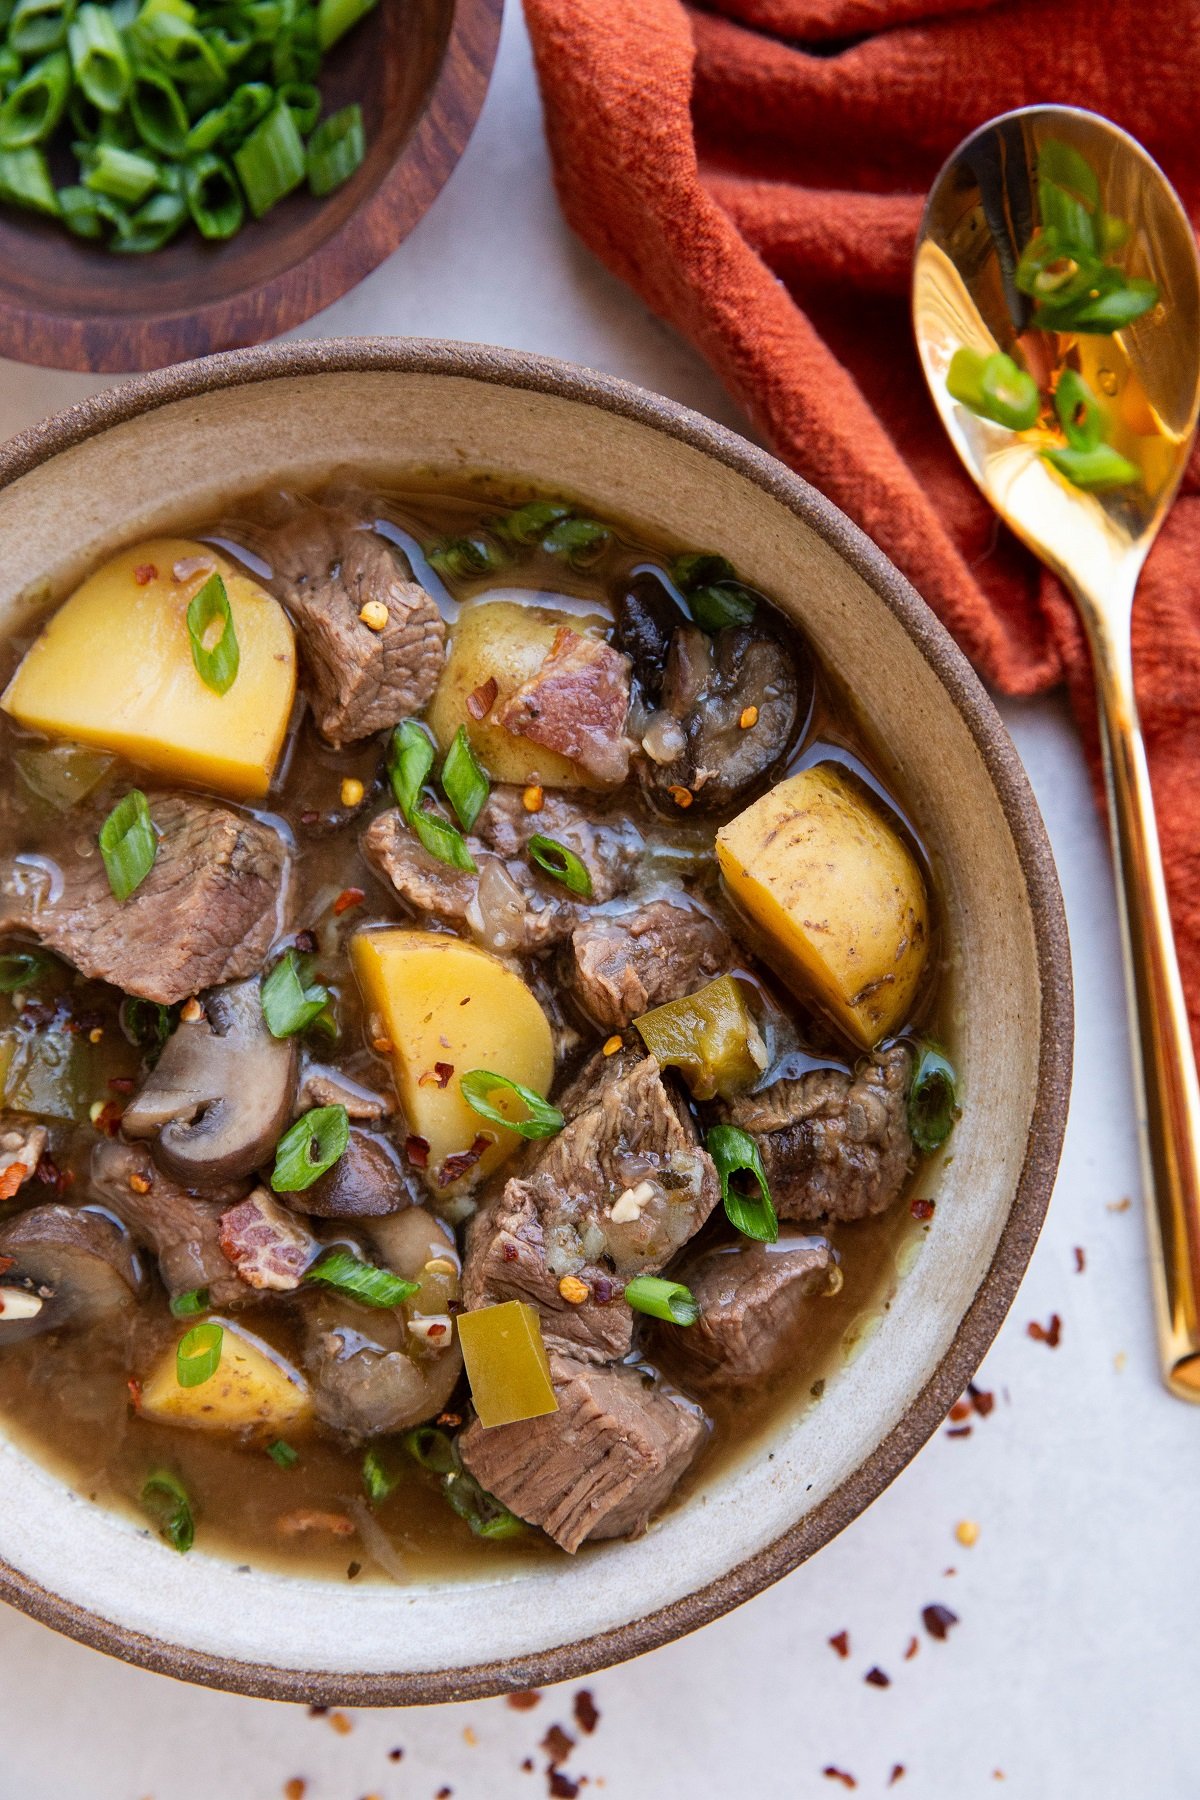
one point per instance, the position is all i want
(206, 914)
(608, 844)
(576, 705)
(182, 1231)
(834, 1145)
(267, 1244)
(620, 966)
(752, 1300)
(372, 641)
(600, 1466)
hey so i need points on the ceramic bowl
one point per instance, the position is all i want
(174, 446)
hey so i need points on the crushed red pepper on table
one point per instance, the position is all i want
(877, 1678)
(922, 1209)
(832, 1774)
(982, 1401)
(524, 1700)
(1050, 1334)
(937, 1620)
(1080, 1259)
(897, 1774)
(587, 1713)
(914, 1644)
(295, 1789)
(840, 1641)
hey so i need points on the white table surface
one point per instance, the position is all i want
(1074, 1669)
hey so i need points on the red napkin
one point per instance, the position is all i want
(756, 172)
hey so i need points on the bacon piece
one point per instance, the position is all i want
(576, 705)
(267, 1245)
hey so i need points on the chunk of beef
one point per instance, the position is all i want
(182, 1231)
(736, 699)
(364, 675)
(576, 705)
(22, 1144)
(64, 1266)
(267, 1245)
(604, 839)
(752, 1299)
(206, 913)
(599, 1467)
(834, 1145)
(621, 965)
(323, 1086)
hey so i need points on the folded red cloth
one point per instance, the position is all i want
(758, 180)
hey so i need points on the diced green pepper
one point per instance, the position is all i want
(506, 1363)
(710, 1037)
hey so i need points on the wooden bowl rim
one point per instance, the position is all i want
(66, 338)
(998, 1288)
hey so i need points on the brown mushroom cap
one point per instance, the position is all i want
(221, 1095)
(78, 1261)
(366, 1180)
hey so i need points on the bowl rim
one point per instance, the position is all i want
(998, 1287)
(63, 337)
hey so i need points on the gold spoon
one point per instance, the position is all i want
(981, 214)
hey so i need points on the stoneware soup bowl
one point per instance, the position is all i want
(172, 448)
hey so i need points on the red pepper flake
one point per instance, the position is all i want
(557, 1744)
(877, 1678)
(587, 1713)
(318, 1712)
(1122, 1205)
(560, 1786)
(122, 1084)
(832, 1774)
(49, 1174)
(11, 1179)
(524, 1699)
(342, 1723)
(897, 1774)
(509, 1253)
(135, 1392)
(1080, 1259)
(481, 702)
(443, 1793)
(921, 1209)
(460, 1161)
(450, 1420)
(347, 898)
(1046, 1334)
(958, 1431)
(108, 1119)
(604, 1291)
(840, 1641)
(527, 1765)
(981, 1400)
(937, 1620)
(443, 1071)
(417, 1151)
(145, 573)
(309, 816)
(295, 1789)
(6, 1263)
(306, 942)
(959, 1411)
(396, 1755)
(914, 1644)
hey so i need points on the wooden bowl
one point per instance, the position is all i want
(166, 450)
(420, 70)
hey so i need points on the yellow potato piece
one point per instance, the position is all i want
(441, 1000)
(838, 896)
(113, 668)
(506, 1363)
(253, 1386)
(506, 642)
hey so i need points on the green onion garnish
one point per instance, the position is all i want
(271, 161)
(378, 1477)
(213, 197)
(1093, 470)
(166, 1500)
(463, 781)
(335, 18)
(305, 102)
(99, 58)
(363, 1281)
(432, 1448)
(932, 1099)
(668, 1300)
(36, 26)
(34, 105)
(528, 524)
(715, 596)
(216, 659)
(146, 1024)
(25, 181)
(199, 1354)
(994, 387)
(128, 844)
(186, 1306)
(561, 863)
(310, 1148)
(735, 1152)
(1079, 412)
(409, 761)
(122, 175)
(291, 1000)
(543, 1120)
(464, 558)
(582, 541)
(335, 149)
(281, 1452)
(153, 224)
(437, 1452)
(21, 969)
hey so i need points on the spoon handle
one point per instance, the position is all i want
(1163, 1058)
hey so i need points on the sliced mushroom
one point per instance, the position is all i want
(221, 1094)
(367, 1179)
(323, 1086)
(77, 1262)
(647, 617)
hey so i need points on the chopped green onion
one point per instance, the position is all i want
(216, 663)
(213, 197)
(581, 541)
(1067, 166)
(310, 1148)
(336, 17)
(464, 558)
(83, 212)
(291, 1000)
(443, 841)
(1093, 470)
(228, 123)
(22, 969)
(305, 102)
(99, 58)
(701, 568)
(146, 1024)
(296, 52)
(199, 1354)
(432, 1448)
(187, 1306)
(365, 1282)
(715, 596)
(463, 781)
(994, 387)
(409, 761)
(25, 181)
(32, 108)
(172, 38)
(1106, 312)
(335, 149)
(271, 161)
(166, 1500)
(123, 175)
(378, 1477)
(1069, 216)
(153, 224)
(668, 1300)
(36, 26)
(561, 863)
(1079, 411)
(530, 523)
(735, 1152)
(158, 111)
(486, 1516)
(932, 1099)
(128, 844)
(281, 1452)
(478, 1085)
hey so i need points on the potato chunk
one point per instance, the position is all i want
(253, 1387)
(838, 896)
(505, 642)
(506, 1363)
(113, 668)
(446, 1008)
